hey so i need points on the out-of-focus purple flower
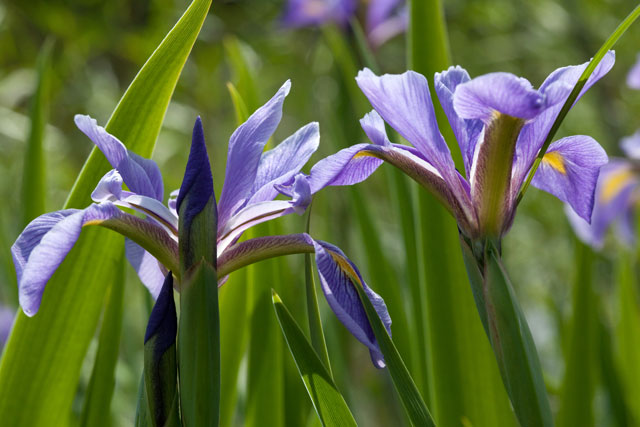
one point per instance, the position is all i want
(616, 198)
(500, 122)
(633, 77)
(7, 316)
(253, 179)
(384, 18)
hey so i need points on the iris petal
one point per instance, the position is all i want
(570, 171)
(245, 150)
(141, 175)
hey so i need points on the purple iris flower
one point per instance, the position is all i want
(384, 18)
(633, 77)
(616, 197)
(500, 122)
(248, 198)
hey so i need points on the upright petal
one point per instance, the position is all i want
(281, 163)
(569, 171)
(504, 93)
(466, 131)
(373, 126)
(141, 175)
(404, 102)
(338, 276)
(245, 150)
(146, 266)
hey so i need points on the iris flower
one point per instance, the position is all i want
(616, 198)
(384, 18)
(500, 122)
(247, 198)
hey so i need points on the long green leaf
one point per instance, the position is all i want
(41, 363)
(33, 181)
(576, 400)
(627, 334)
(313, 310)
(510, 337)
(405, 386)
(97, 404)
(327, 400)
(452, 326)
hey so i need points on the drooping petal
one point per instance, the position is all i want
(505, 93)
(466, 131)
(617, 183)
(569, 171)
(146, 266)
(41, 248)
(302, 13)
(404, 102)
(633, 77)
(533, 134)
(245, 150)
(251, 215)
(141, 175)
(354, 164)
(631, 146)
(281, 163)
(338, 276)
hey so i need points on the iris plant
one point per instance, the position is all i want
(384, 18)
(616, 198)
(500, 122)
(252, 180)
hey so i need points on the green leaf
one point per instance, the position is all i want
(327, 400)
(142, 408)
(313, 310)
(510, 337)
(409, 395)
(576, 398)
(41, 364)
(97, 404)
(627, 334)
(33, 178)
(235, 297)
(242, 72)
(199, 347)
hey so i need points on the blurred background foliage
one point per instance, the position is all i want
(99, 46)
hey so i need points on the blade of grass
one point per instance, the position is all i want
(576, 399)
(453, 329)
(41, 364)
(313, 310)
(327, 400)
(33, 178)
(97, 404)
(405, 386)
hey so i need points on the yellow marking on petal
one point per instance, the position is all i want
(363, 154)
(556, 161)
(615, 182)
(345, 266)
(94, 222)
